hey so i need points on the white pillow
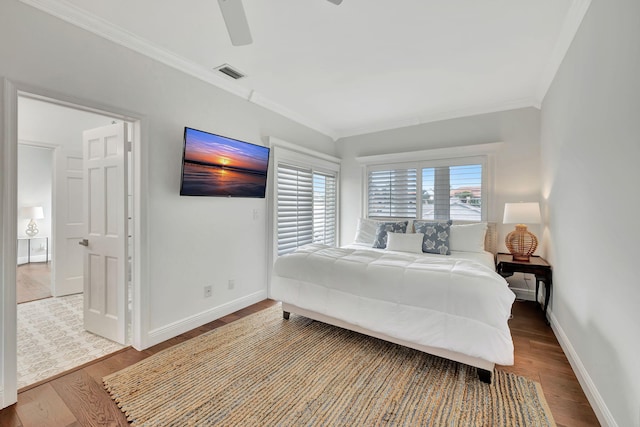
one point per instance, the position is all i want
(402, 242)
(366, 231)
(468, 237)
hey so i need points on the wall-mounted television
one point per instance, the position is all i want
(214, 165)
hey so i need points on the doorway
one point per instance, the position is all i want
(56, 324)
(35, 185)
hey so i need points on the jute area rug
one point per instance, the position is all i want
(266, 371)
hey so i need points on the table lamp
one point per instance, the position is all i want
(521, 243)
(33, 212)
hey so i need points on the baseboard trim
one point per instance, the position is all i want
(34, 258)
(158, 335)
(593, 396)
(524, 294)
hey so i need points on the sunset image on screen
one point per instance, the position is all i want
(215, 150)
(218, 166)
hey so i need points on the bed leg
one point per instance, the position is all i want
(285, 315)
(484, 375)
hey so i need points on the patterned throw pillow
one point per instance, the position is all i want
(381, 232)
(436, 236)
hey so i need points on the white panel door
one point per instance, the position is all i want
(105, 258)
(69, 224)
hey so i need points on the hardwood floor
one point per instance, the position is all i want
(538, 356)
(78, 399)
(33, 281)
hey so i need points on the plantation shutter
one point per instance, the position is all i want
(295, 207)
(442, 205)
(392, 193)
(324, 208)
(437, 190)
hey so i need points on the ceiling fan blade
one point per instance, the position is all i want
(335, 1)
(236, 22)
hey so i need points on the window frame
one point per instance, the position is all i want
(423, 161)
(311, 173)
(300, 157)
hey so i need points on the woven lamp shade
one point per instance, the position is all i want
(521, 243)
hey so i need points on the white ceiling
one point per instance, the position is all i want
(363, 66)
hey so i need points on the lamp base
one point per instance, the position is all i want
(32, 229)
(521, 243)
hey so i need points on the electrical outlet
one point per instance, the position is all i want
(208, 291)
(232, 283)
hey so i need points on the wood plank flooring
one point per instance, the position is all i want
(33, 281)
(78, 399)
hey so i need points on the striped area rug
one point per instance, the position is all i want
(266, 371)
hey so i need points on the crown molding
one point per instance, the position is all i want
(264, 102)
(70, 13)
(76, 16)
(437, 117)
(575, 15)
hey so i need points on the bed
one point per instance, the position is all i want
(453, 306)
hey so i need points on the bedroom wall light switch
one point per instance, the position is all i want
(232, 283)
(208, 291)
(255, 214)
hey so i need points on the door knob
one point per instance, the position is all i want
(84, 242)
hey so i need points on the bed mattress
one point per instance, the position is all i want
(456, 302)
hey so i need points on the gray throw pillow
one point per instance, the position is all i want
(436, 236)
(380, 241)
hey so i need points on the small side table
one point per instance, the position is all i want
(538, 266)
(29, 239)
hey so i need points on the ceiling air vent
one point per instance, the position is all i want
(230, 71)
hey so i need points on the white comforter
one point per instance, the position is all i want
(440, 301)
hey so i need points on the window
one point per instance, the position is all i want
(306, 207)
(439, 190)
(324, 208)
(294, 208)
(392, 193)
(452, 192)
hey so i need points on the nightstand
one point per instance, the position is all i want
(29, 239)
(506, 266)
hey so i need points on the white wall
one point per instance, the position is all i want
(590, 154)
(35, 177)
(187, 242)
(517, 162)
(55, 125)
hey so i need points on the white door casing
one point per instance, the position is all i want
(105, 214)
(9, 93)
(69, 225)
